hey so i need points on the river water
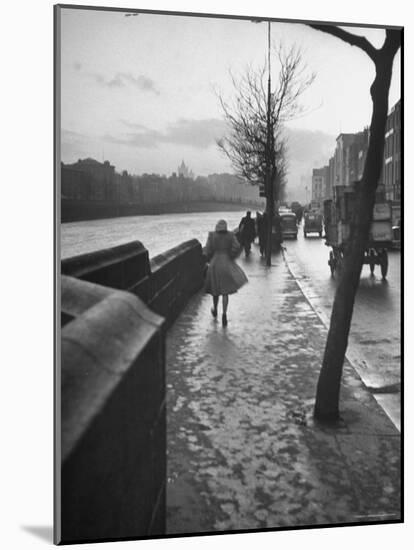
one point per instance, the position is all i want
(157, 233)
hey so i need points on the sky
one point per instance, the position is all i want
(142, 91)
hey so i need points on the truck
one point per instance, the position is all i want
(312, 223)
(338, 219)
(288, 224)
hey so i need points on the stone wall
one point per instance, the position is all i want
(175, 276)
(111, 387)
(165, 283)
(112, 396)
(120, 267)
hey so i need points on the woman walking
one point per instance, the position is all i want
(224, 276)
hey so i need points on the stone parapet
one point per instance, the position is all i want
(111, 389)
(176, 275)
(112, 416)
(119, 267)
(165, 283)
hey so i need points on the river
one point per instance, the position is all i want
(158, 233)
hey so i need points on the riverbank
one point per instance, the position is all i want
(72, 211)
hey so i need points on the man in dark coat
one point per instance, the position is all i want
(247, 232)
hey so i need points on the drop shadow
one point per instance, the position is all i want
(44, 532)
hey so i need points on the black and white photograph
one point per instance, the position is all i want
(205, 300)
(229, 219)
(205, 295)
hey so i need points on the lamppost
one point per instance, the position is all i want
(270, 204)
(269, 144)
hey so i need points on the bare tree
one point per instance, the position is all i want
(251, 112)
(328, 390)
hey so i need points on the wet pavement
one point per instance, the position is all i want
(375, 336)
(243, 449)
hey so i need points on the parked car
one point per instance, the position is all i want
(396, 235)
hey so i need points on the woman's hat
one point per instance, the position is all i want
(221, 225)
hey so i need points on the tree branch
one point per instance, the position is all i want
(246, 144)
(352, 39)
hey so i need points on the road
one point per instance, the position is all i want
(375, 338)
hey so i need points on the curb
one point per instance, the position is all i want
(355, 359)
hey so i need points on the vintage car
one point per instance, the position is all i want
(396, 235)
(312, 223)
(288, 224)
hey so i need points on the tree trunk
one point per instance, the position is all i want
(328, 389)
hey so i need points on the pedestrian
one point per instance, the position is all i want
(277, 229)
(223, 276)
(247, 232)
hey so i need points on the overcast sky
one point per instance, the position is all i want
(141, 91)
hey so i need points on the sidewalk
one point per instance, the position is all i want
(243, 449)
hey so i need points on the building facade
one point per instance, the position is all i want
(391, 171)
(348, 161)
(347, 157)
(88, 179)
(320, 187)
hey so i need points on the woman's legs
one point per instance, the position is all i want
(225, 305)
(215, 304)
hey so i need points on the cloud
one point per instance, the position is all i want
(307, 150)
(123, 80)
(77, 66)
(199, 134)
(309, 146)
(70, 134)
(133, 125)
(73, 145)
(147, 138)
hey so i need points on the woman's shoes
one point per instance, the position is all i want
(223, 317)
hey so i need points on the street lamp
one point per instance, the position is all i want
(270, 206)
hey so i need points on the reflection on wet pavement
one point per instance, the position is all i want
(243, 449)
(375, 336)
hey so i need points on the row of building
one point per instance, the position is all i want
(347, 163)
(92, 181)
